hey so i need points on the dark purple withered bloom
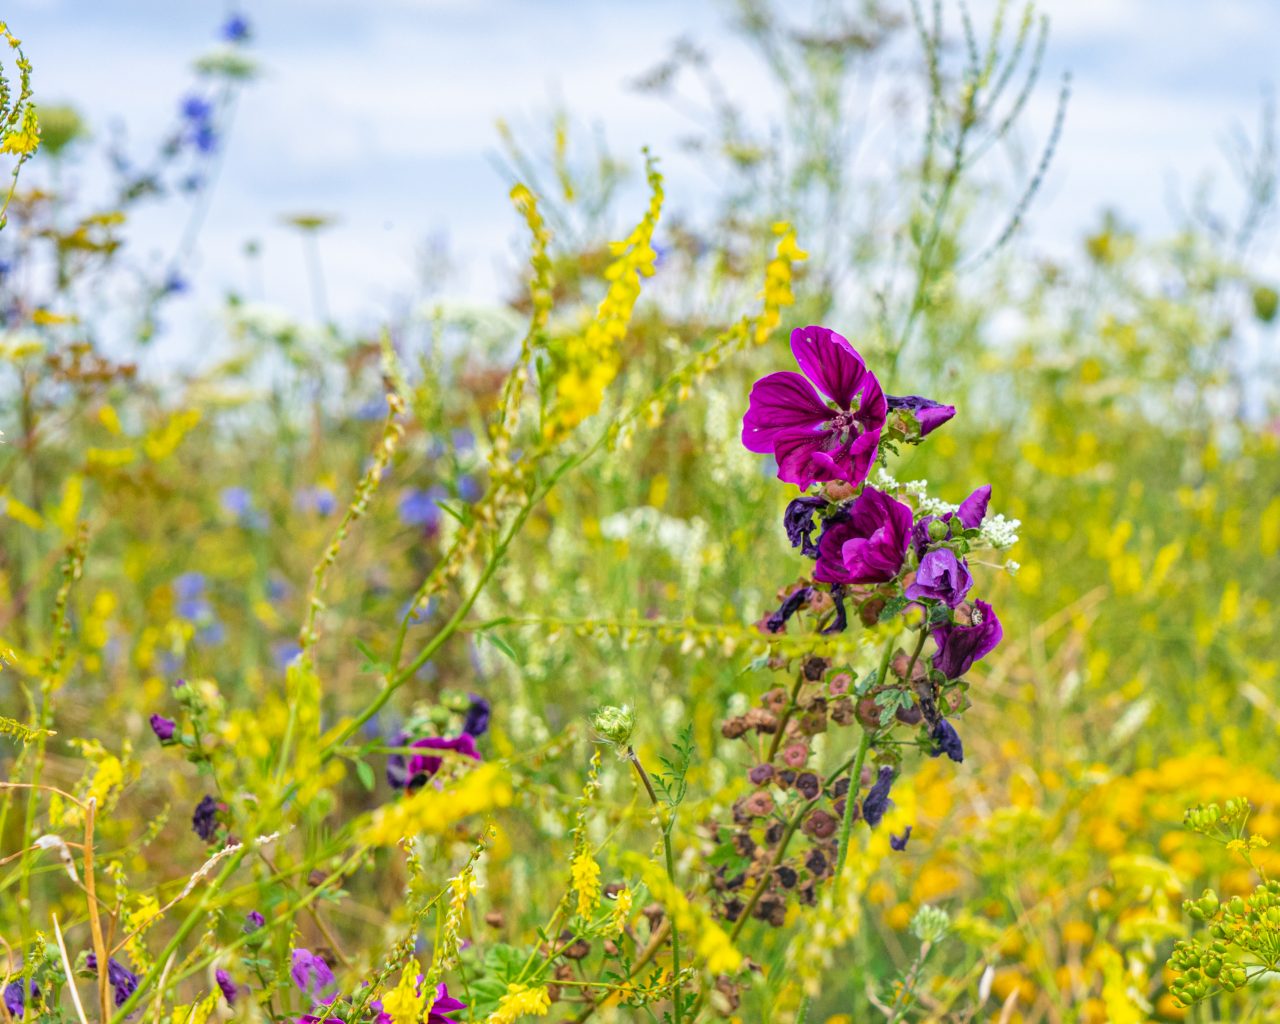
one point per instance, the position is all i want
(476, 720)
(310, 973)
(15, 996)
(867, 543)
(815, 440)
(123, 981)
(877, 801)
(841, 621)
(205, 818)
(970, 514)
(960, 646)
(946, 741)
(899, 843)
(798, 521)
(930, 415)
(228, 986)
(163, 728)
(777, 622)
(941, 577)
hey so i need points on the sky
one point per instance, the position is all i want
(381, 114)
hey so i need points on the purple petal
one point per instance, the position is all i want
(974, 508)
(829, 361)
(782, 402)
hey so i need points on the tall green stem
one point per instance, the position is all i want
(667, 820)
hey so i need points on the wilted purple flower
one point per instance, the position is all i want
(899, 843)
(777, 622)
(205, 818)
(841, 622)
(798, 521)
(476, 721)
(970, 514)
(813, 440)
(867, 543)
(946, 741)
(123, 981)
(253, 921)
(443, 1005)
(928, 414)
(163, 728)
(235, 29)
(960, 646)
(227, 985)
(309, 972)
(877, 801)
(941, 577)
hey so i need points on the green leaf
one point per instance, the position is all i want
(365, 774)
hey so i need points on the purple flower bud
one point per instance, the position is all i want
(946, 741)
(476, 722)
(309, 972)
(205, 818)
(123, 981)
(877, 801)
(254, 921)
(163, 728)
(928, 413)
(227, 985)
(899, 843)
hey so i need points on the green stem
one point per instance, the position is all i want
(667, 819)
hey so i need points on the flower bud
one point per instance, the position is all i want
(615, 724)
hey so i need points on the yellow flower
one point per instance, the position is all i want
(435, 810)
(521, 1001)
(406, 1003)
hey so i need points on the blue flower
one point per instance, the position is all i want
(421, 508)
(123, 981)
(196, 109)
(476, 722)
(236, 29)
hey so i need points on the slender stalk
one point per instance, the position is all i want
(667, 821)
(95, 923)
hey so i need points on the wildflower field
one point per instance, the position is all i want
(814, 606)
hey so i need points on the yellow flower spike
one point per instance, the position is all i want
(521, 1001)
(406, 1003)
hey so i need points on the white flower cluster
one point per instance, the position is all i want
(674, 536)
(1000, 532)
(996, 532)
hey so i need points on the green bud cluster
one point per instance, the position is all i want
(1243, 937)
(1222, 823)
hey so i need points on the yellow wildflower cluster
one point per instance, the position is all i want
(407, 1002)
(521, 1001)
(710, 942)
(433, 811)
(591, 359)
(584, 869)
(778, 274)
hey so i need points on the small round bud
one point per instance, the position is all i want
(615, 724)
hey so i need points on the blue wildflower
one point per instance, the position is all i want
(946, 741)
(236, 29)
(877, 801)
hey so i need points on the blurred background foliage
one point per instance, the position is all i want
(1122, 405)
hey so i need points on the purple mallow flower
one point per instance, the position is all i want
(811, 439)
(877, 801)
(205, 818)
(476, 720)
(941, 577)
(959, 646)
(866, 543)
(899, 843)
(123, 981)
(163, 728)
(310, 973)
(412, 772)
(928, 414)
(798, 521)
(946, 741)
(443, 1005)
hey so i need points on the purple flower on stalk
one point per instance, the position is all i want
(877, 801)
(15, 996)
(946, 741)
(798, 522)
(867, 543)
(123, 981)
(253, 921)
(899, 843)
(959, 646)
(815, 440)
(163, 728)
(930, 415)
(941, 577)
(476, 721)
(228, 986)
(310, 973)
(442, 1005)
(205, 818)
(423, 766)
(970, 514)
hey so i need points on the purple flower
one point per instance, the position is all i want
(877, 801)
(899, 843)
(15, 996)
(813, 440)
(476, 721)
(254, 921)
(442, 1005)
(205, 818)
(928, 414)
(123, 981)
(798, 522)
(227, 985)
(310, 973)
(867, 543)
(777, 622)
(970, 514)
(196, 109)
(163, 728)
(959, 646)
(235, 29)
(424, 766)
(946, 741)
(421, 508)
(941, 577)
